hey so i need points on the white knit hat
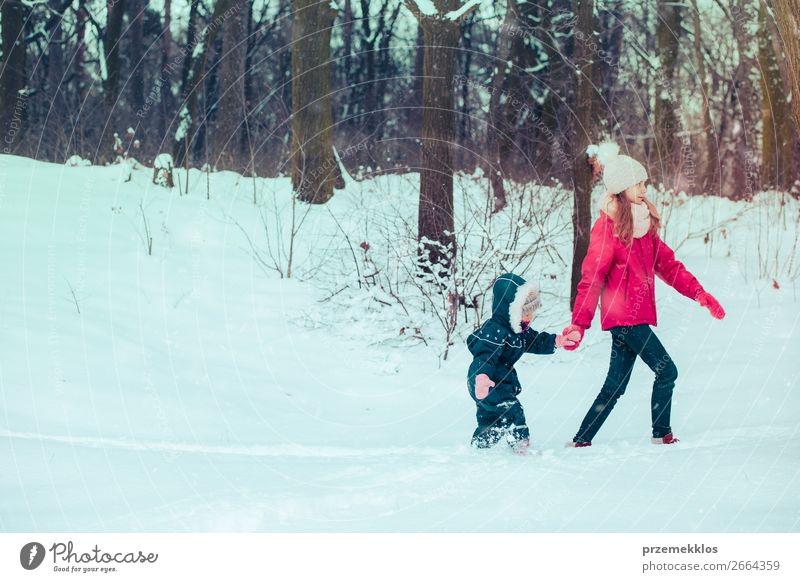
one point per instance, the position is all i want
(622, 172)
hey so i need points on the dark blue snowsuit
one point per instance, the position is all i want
(496, 346)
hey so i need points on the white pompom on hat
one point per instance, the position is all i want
(622, 172)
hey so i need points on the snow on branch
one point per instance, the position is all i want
(465, 9)
(426, 7)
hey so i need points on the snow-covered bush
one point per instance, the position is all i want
(162, 171)
(76, 161)
(381, 268)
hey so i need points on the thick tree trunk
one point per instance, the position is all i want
(436, 226)
(776, 127)
(231, 110)
(111, 47)
(313, 164)
(581, 138)
(787, 17)
(13, 76)
(666, 121)
(436, 223)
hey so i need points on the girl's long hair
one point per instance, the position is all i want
(623, 219)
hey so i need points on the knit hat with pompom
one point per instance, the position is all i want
(621, 172)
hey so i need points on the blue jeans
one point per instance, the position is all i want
(628, 342)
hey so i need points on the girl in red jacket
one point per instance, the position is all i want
(625, 253)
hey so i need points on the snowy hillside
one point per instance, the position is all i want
(194, 389)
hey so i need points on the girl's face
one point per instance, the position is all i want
(635, 194)
(526, 319)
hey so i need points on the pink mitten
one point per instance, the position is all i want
(708, 301)
(482, 385)
(571, 337)
(568, 341)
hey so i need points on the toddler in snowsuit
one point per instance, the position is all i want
(496, 346)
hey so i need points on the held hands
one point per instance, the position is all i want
(570, 338)
(482, 385)
(708, 301)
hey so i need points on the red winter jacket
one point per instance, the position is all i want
(623, 278)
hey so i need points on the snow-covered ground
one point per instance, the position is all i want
(195, 390)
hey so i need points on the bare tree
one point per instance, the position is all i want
(231, 110)
(496, 128)
(776, 137)
(13, 76)
(136, 50)
(111, 48)
(581, 138)
(436, 228)
(666, 120)
(313, 163)
(187, 118)
(787, 16)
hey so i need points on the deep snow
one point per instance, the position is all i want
(192, 390)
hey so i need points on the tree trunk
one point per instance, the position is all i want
(164, 82)
(776, 128)
(384, 71)
(56, 70)
(544, 128)
(516, 148)
(666, 121)
(111, 46)
(191, 41)
(712, 163)
(80, 51)
(581, 138)
(136, 48)
(436, 224)
(13, 76)
(743, 161)
(185, 135)
(496, 130)
(249, 96)
(231, 110)
(787, 16)
(347, 29)
(313, 164)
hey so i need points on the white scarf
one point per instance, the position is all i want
(641, 214)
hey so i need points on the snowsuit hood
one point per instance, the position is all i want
(509, 294)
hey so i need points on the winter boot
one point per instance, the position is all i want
(668, 439)
(578, 445)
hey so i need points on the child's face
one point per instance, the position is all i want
(526, 319)
(635, 194)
